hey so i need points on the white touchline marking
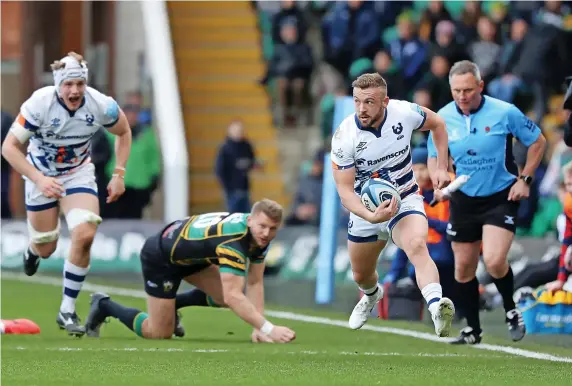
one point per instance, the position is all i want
(208, 351)
(300, 317)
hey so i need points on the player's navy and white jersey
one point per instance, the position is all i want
(383, 152)
(61, 138)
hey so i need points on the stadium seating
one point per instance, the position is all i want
(219, 60)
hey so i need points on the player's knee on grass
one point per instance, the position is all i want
(159, 328)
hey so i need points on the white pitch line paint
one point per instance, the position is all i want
(302, 318)
(210, 351)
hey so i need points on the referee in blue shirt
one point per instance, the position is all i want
(483, 211)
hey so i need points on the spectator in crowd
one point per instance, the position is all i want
(436, 82)
(433, 15)
(292, 65)
(289, 14)
(234, 161)
(499, 16)
(143, 167)
(351, 30)
(485, 51)
(567, 107)
(422, 97)
(467, 26)
(383, 64)
(6, 171)
(565, 262)
(307, 201)
(445, 43)
(545, 42)
(408, 51)
(508, 84)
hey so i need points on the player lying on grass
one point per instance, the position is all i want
(211, 252)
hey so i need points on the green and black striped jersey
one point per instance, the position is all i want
(220, 238)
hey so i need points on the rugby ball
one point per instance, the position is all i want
(375, 191)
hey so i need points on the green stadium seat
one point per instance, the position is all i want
(455, 8)
(390, 34)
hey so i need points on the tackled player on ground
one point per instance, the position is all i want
(213, 252)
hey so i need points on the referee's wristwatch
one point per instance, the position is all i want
(526, 179)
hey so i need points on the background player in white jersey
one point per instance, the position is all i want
(375, 142)
(59, 121)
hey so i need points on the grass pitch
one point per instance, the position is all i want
(217, 351)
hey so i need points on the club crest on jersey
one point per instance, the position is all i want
(397, 130)
(361, 147)
(55, 123)
(167, 286)
(89, 118)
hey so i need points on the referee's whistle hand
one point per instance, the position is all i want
(519, 191)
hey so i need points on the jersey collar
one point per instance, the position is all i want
(373, 130)
(70, 112)
(474, 111)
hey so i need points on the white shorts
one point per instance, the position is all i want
(81, 180)
(362, 231)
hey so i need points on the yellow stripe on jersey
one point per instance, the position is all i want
(230, 263)
(181, 234)
(222, 250)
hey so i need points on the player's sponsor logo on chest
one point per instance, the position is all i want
(386, 157)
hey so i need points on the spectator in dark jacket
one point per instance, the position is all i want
(292, 15)
(506, 86)
(408, 51)
(384, 66)
(234, 161)
(433, 14)
(351, 30)
(292, 65)
(308, 198)
(436, 81)
(446, 45)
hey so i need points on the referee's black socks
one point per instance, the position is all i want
(505, 285)
(468, 297)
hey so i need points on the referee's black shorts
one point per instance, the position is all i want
(469, 214)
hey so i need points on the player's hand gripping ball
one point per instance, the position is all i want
(375, 191)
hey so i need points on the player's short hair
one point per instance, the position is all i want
(465, 67)
(373, 80)
(58, 64)
(270, 208)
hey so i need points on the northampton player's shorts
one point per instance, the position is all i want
(162, 279)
